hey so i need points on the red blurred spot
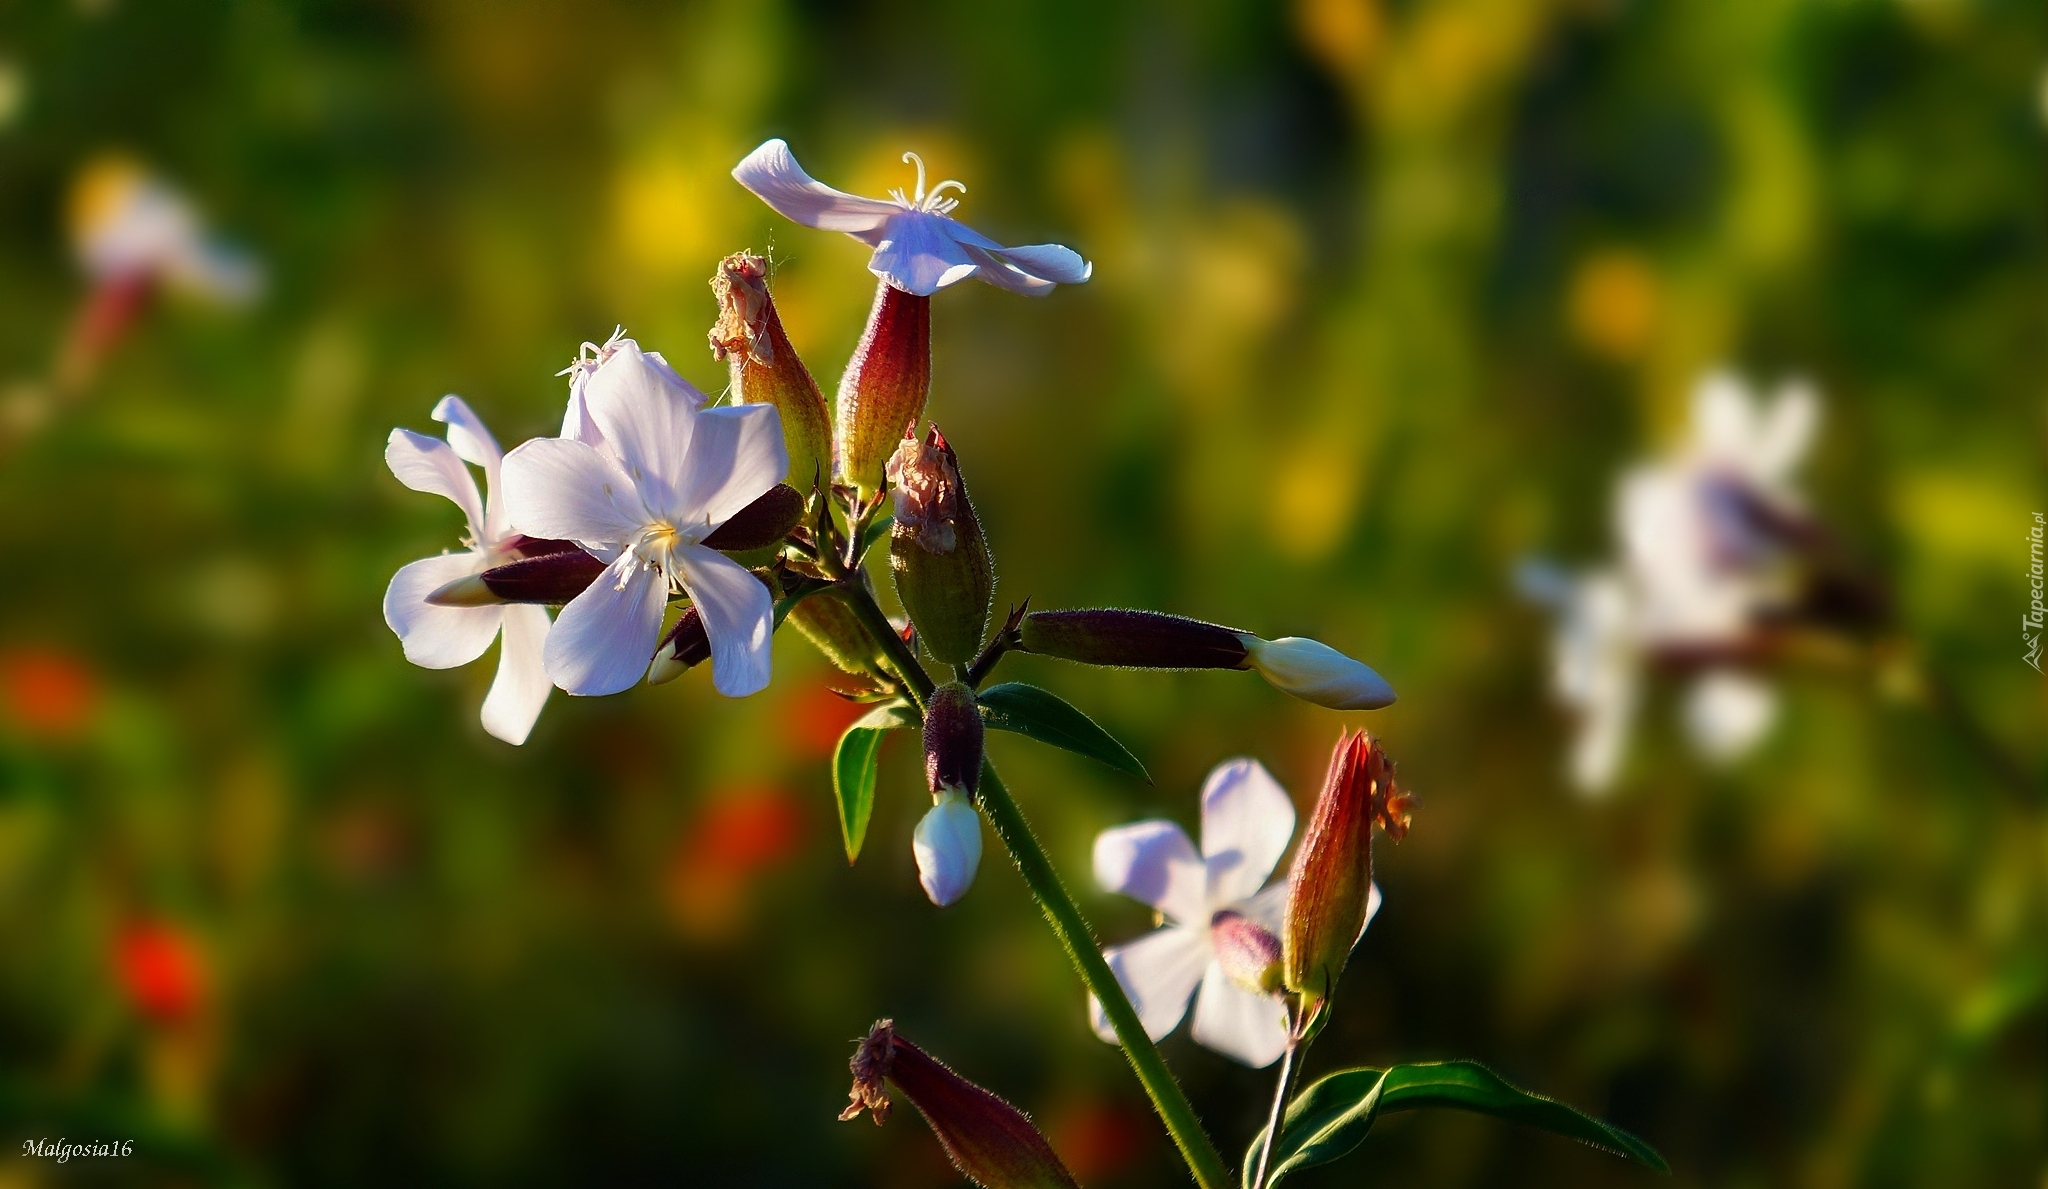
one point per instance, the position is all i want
(1096, 1140)
(818, 717)
(47, 692)
(734, 840)
(161, 970)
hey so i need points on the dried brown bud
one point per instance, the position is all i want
(991, 1142)
(766, 370)
(944, 572)
(1133, 639)
(1330, 892)
(882, 394)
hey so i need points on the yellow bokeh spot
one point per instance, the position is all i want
(1314, 490)
(1613, 304)
(1344, 35)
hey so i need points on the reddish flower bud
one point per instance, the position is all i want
(685, 647)
(549, 578)
(1133, 639)
(766, 370)
(952, 740)
(882, 394)
(991, 1142)
(944, 572)
(762, 523)
(1247, 951)
(1330, 890)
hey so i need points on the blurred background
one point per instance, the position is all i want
(1386, 294)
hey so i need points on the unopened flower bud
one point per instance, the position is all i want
(1330, 890)
(685, 647)
(947, 843)
(1315, 672)
(830, 624)
(766, 370)
(952, 740)
(1247, 951)
(882, 394)
(764, 522)
(944, 573)
(1133, 639)
(549, 578)
(991, 1142)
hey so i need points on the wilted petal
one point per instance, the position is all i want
(522, 686)
(438, 637)
(568, 490)
(919, 254)
(1158, 972)
(772, 173)
(1240, 1024)
(736, 456)
(602, 641)
(1154, 863)
(431, 465)
(1247, 819)
(739, 620)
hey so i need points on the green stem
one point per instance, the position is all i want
(1065, 917)
(1079, 940)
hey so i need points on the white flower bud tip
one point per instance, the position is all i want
(948, 848)
(1315, 672)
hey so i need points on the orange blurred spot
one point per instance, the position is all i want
(47, 693)
(1344, 34)
(818, 717)
(1614, 304)
(161, 970)
(734, 840)
(1096, 1140)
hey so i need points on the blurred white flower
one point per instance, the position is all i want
(668, 473)
(1247, 821)
(436, 636)
(128, 225)
(919, 247)
(1727, 713)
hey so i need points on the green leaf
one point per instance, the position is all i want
(1028, 710)
(853, 770)
(1330, 1118)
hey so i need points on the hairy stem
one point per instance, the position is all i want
(1073, 930)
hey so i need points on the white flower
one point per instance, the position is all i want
(1315, 672)
(1247, 821)
(1598, 673)
(128, 224)
(667, 475)
(439, 637)
(919, 247)
(1727, 713)
(947, 844)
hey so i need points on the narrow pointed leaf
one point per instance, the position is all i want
(853, 770)
(1028, 710)
(1329, 1119)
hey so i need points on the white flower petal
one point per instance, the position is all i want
(736, 456)
(947, 846)
(919, 253)
(1727, 714)
(522, 686)
(1237, 1023)
(647, 416)
(603, 639)
(1004, 275)
(1247, 819)
(739, 620)
(1784, 432)
(438, 637)
(772, 173)
(1268, 907)
(1153, 863)
(569, 490)
(475, 445)
(431, 465)
(1158, 972)
(1723, 418)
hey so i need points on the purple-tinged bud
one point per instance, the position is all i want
(682, 649)
(764, 522)
(1315, 672)
(882, 394)
(1329, 896)
(1247, 951)
(1133, 639)
(991, 1142)
(549, 578)
(952, 740)
(766, 370)
(944, 572)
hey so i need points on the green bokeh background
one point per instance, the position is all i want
(1386, 293)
